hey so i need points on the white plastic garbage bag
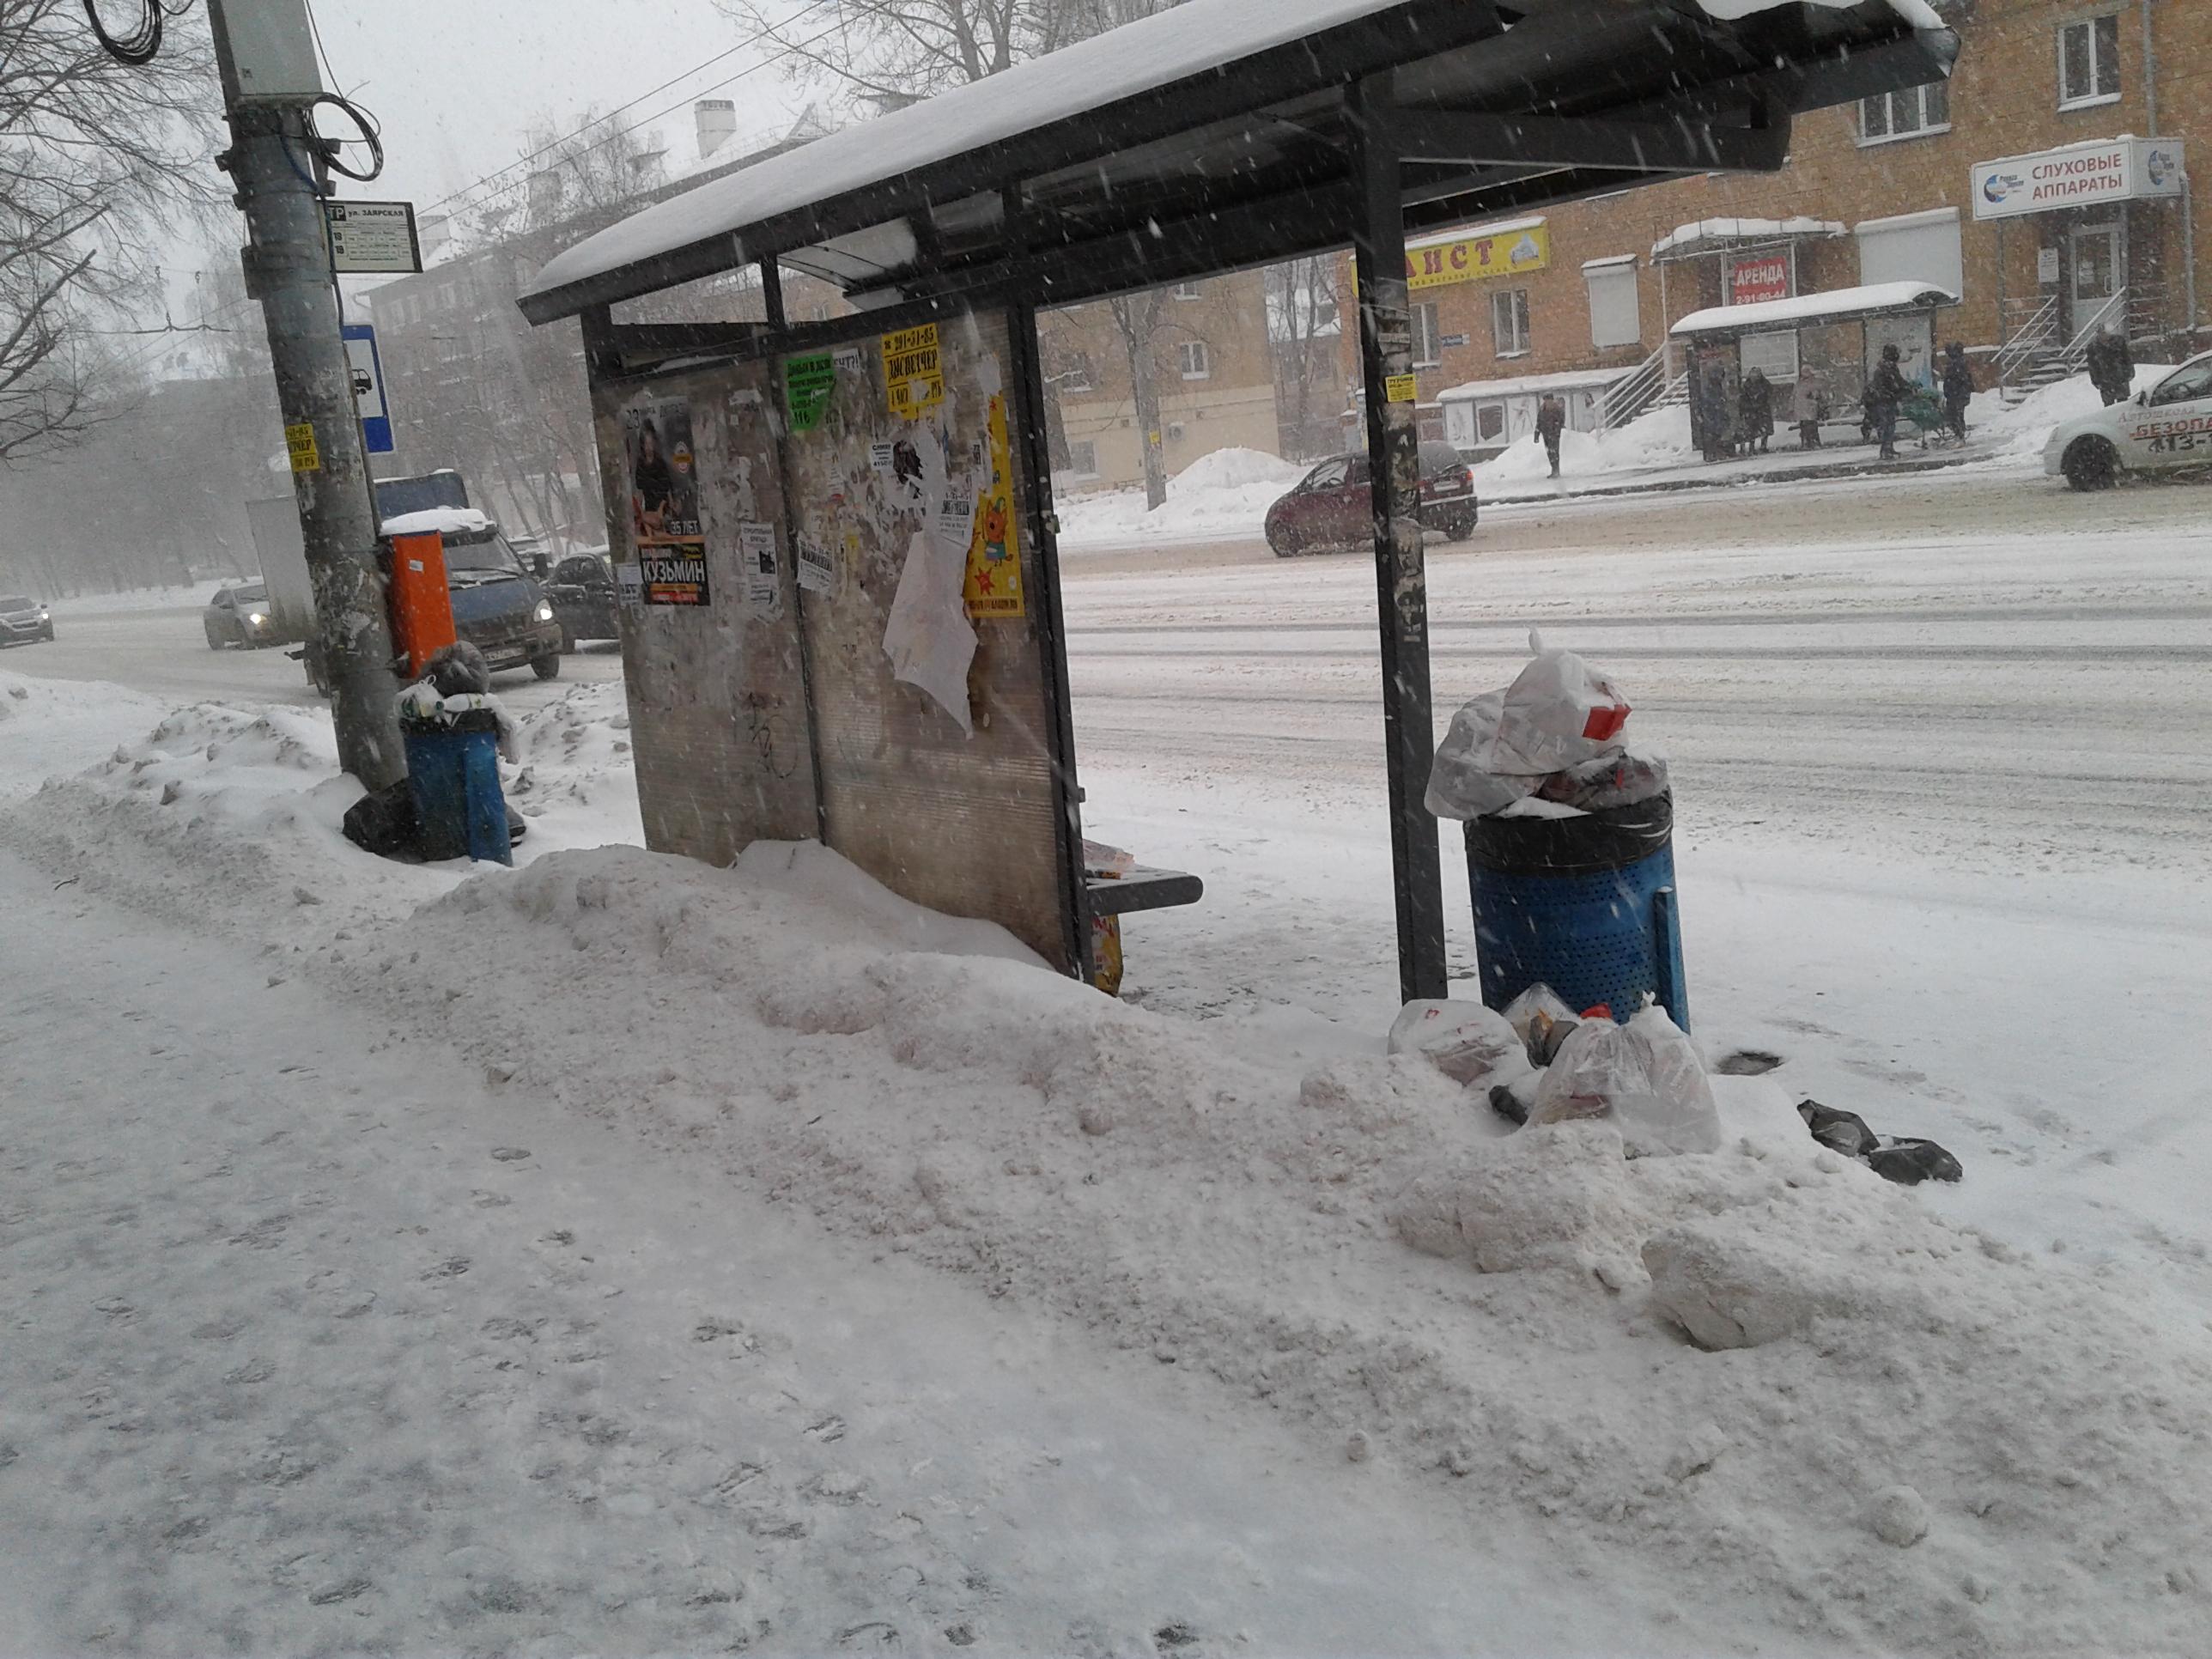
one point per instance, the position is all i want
(1467, 1042)
(1542, 1020)
(1644, 1076)
(1559, 713)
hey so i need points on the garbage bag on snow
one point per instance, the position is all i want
(1559, 714)
(1543, 1020)
(1644, 1075)
(1467, 1042)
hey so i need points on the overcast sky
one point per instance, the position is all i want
(458, 83)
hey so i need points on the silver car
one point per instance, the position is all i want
(239, 616)
(22, 620)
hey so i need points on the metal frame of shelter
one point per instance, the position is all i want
(1354, 122)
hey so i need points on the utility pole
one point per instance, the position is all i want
(269, 85)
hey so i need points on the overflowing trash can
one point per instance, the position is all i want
(1569, 836)
(452, 770)
(1585, 904)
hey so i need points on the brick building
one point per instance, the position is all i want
(2029, 185)
(1212, 365)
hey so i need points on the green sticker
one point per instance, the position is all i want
(807, 384)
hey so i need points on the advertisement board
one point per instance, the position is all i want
(1761, 277)
(1508, 251)
(2079, 175)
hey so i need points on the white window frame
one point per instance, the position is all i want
(2091, 99)
(1195, 359)
(1515, 301)
(1427, 333)
(1089, 446)
(1076, 377)
(1189, 291)
(1614, 270)
(1920, 97)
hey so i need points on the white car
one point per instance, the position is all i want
(2168, 426)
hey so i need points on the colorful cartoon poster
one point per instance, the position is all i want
(913, 374)
(993, 585)
(664, 502)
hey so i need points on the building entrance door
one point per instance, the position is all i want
(2097, 257)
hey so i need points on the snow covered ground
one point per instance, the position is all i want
(862, 1284)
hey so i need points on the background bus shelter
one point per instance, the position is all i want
(1836, 336)
(1218, 134)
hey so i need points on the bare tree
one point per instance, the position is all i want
(97, 158)
(886, 53)
(1305, 329)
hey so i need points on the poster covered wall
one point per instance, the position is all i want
(667, 535)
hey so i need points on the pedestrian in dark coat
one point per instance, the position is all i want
(1885, 389)
(1957, 388)
(1713, 410)
(1755, 410)
(1551, 421)
(2112, 365)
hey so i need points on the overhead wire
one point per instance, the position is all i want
(143, 44)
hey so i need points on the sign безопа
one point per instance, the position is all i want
(2079, 175)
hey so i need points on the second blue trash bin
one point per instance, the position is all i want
(1584, 904)
(453, 771)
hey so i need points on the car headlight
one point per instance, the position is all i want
(545, 611)
(256, 617)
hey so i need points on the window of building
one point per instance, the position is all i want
(1913, 247)
(1912, 113)
(1508, 322)
(1186, 290)
(2089, 62)
(1614, 320)
(1076, 375)
(1083, 457)
(1426, 352)
(1197, 364)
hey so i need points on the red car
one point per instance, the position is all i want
(1332, 507)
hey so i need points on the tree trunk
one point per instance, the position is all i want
(1137, 315)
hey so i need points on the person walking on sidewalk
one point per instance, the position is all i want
(1957, 388)
(1885, 389)
(1551, 421)
(1807, 406)
(1755, 409)
(2112, 365)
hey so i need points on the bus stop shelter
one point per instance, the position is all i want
(835, 538)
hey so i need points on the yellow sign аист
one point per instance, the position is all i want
(299, 445)
(1471, 259)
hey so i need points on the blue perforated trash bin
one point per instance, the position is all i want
(1583, 904)
(453, 772)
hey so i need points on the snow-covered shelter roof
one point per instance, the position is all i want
(1530, 385)
(1220, 132)
(436, 521)
(1837, 305)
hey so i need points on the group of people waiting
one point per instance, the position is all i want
(1744, 424)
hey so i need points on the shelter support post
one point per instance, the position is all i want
(771, 275)
(1386, 362)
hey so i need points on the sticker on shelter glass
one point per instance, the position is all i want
(664, 502)
(817, 567)
(914, 377)
(808, 383)
(756, 553)
(994, 583)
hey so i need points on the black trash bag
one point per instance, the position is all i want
(458, 670)
(1909, 1163)
(383, 822)
(1839, 1131)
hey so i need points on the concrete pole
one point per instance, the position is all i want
(273, 161)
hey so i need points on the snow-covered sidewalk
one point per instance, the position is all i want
(837, 1228)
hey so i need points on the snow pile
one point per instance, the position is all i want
(1761, 1372)
(2020, 430)
(193, 597)
(576, 775)
(50, 726)
(1224, 494)
(1656, 438)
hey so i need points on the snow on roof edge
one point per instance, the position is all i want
(1840, 303)
(436, 521)
(1698, 229)
(1523, 386)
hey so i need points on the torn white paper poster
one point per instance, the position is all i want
(954, 525)
(926, 635)
(817, 567)
(756, 553)
(629, 582)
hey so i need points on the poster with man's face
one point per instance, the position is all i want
(664, 502)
